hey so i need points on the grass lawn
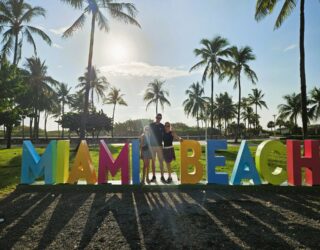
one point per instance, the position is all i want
(10, 163)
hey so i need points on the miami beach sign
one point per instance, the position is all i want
(53, 165)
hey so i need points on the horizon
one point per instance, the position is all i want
(163, 48)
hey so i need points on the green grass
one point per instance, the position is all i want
(10, 163)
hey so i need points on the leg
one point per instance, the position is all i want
(160, 158)
(169, 169)
(144, 170)
(147, 171)
(153, 161)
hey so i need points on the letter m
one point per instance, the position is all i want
(108, 164)
(34, 166)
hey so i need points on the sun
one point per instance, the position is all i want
(119, 52)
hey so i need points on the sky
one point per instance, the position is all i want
(131, 57)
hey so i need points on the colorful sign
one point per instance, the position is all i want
(53, 165)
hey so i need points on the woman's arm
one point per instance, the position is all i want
(176, 137)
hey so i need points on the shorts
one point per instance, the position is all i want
(168, 154)
(146, 154)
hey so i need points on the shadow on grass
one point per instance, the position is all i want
(181, 217)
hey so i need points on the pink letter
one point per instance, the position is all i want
(311, 162)
(107, 163)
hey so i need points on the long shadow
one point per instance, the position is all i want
(294, 226)
(67, 206)
(237, 225)
(21, 201)
(122, 210)
(15, 232)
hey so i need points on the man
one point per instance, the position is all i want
(157, 130)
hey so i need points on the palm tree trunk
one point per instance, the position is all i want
(256, 122)
(9, 133)
(211, 107)
(303, 75)
(23, 128)
(114, 108)
(157, 107)
(16, 49)
(45, 124)
(239, 106)
(62, 129)
(92, 98)
(86, 97)
(30, 127)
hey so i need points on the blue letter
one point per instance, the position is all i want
(135, 162)
(34, 166)
(244, 167)
(213, 161)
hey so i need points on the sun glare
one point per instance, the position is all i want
(119, 52)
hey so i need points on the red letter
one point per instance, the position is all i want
(311, 162)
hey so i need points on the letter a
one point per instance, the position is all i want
(82, 167)
(244, 167)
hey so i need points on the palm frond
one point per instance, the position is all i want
(78, 24)
(40, 33)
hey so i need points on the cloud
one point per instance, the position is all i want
(290, 47)
(55, 45)
(142, 69)
(59, 31)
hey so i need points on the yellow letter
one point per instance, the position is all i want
(274, 175)
(82, 167)
(62, 174)
(193, 160)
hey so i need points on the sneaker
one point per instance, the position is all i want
(169, 180)
(163, 179)
(153, 179)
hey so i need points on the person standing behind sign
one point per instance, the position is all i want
(157, 130)
(168, 150)
(146, 153)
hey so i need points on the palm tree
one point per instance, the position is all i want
(15, 16)
(247, 116)
(125, 12)
(40, 83)
(235, 67)
(64, 97)
(292, 108)
(212, 54)
(49, 104)
(225, 109)
(256, 99)
(98, 84)
(114, 97)
(315, 102)
(266, 7)
(195, 102)
(156, 94)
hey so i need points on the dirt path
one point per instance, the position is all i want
(107, 217)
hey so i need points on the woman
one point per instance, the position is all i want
(168, 150)
(146, 154)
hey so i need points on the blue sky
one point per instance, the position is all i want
(163, 48)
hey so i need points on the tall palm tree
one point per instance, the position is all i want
(315, 102)
(114, 97)
(266, 7)
(125, 12)
(292, 108)
(156, 94)
(225, 109)
(15, 16)
(98, 84)
(64, 97)
(256, 99)
(40, 83)
(235, 67)
(195, 101)
(212, 54)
